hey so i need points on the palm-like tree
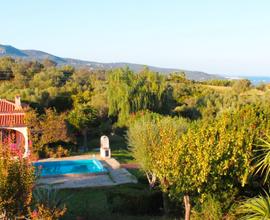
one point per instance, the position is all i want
(263, 159)
(257, 208)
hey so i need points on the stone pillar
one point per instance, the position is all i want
(105, 151)
(26, 142)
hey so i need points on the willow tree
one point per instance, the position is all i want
(120, 84)
(129, 92)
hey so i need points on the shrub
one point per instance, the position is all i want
(16, 184)
(46, 129)
(262, 87)
(209, 210)
(255, 208)
(241, 85)
(136, 202)
(219, 82)
(53, 152)
(49, 204)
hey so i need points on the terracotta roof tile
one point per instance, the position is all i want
(7, 106)
(9, 116)
(12, 120)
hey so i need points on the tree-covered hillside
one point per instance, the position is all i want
(29, 55)
(203, 143)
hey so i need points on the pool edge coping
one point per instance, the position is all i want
(115, 173)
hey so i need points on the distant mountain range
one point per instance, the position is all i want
(6, 50)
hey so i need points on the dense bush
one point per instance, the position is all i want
(255, 208)
(49, 204)
(16, 184)
(210, 210)
(46, 130)
(241, 85)
(135, 202)
(57, 151)
(218, 82)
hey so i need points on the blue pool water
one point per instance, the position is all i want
(53, 168)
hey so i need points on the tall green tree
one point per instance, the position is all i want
(215, 156)
(211, 157)
(46, 129)
(129, 92)
(153, 142)
(83, 115)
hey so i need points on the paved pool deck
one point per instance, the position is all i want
(116, 175)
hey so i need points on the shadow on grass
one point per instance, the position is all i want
(91, 203)
(123, 156)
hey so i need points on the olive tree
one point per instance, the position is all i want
(210, 157)
(215, 156)
(152, 139)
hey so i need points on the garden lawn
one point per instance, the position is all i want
(91, 203)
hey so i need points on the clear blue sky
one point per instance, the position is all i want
(216, 36)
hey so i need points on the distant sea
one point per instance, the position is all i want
(256, 80)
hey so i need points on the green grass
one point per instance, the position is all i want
(123, 156)
(139, 175)
(91, 203)
(116, 142)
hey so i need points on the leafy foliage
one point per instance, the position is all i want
(262, 165)
(49, 204)
(83, 113)
(255, 208)
(129, 92)
(152, 140)
(192, 139)
(46, 129)
(210, 157)
(241, 85)
(16, 183)
(210, 210)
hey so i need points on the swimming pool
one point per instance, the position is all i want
(55, 168)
